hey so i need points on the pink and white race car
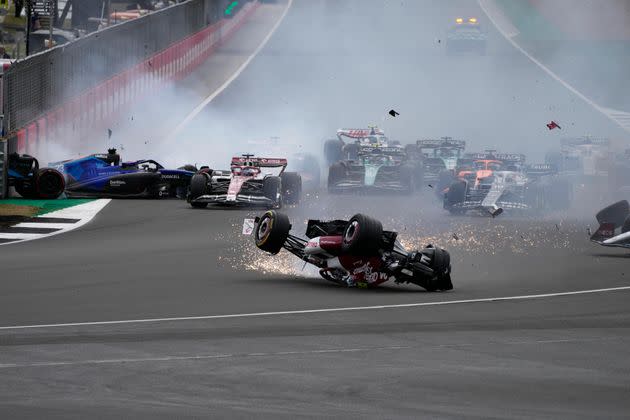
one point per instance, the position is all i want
(250, 181)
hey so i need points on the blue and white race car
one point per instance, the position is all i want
(104, 175)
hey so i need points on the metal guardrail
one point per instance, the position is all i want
(41, 82)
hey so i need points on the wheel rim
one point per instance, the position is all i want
(264, 229)
(351, 232)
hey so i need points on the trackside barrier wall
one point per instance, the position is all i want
(3, 168)
(93, 109)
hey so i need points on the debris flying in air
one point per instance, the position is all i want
(496, 212)
(455, 237)
(553, 125)
(430, 186)
(109, 133)
(393, 113)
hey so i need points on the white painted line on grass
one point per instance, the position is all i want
(608, 113)
(221, 88)
(315, 311)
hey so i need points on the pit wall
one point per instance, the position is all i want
(96, 109)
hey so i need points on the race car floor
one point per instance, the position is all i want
(162, 259)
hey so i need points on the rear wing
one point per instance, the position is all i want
(259, 162)
(359, 133)
(491, 155)
(385, 150)
(442, 142)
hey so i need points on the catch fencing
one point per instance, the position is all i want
(68, 90)
(3, 168)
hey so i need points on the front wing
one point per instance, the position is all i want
(240, 199)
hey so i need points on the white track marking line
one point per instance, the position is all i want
(85, 212)
(195, 357)
(43, 225)
(221, 88)
(604, 111)
(314, 311)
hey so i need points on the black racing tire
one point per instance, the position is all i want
(198, 187)
(25, 189)
(616, 214)
(440, 263)
(362, 236)
(272, 231)
(49, 184)
(626, 225)
(272, 189)
(332, 151)
(350, 151)
(291, 187)
(455, 194)
(336, 173)
(188, 167)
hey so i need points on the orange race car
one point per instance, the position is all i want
(490, 182)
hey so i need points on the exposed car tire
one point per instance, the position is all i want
(25, 189)
(272, 231)
(351, 151)
(455, 194)
(440, 264)
(616, 214)
(291, 187)
(336, 173)
(199, 187)
(333, 151)
(272, 189)
(362, 236)
(49, 184)
(188, 167)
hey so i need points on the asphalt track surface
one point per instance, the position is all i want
(552, 357)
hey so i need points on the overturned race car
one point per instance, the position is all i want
(355, 252)
(254, 181)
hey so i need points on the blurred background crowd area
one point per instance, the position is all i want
(62, 21)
